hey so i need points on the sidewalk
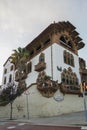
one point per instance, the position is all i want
(71, 119)
(77, 119)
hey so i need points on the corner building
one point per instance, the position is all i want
(55, 51)
(54, 72)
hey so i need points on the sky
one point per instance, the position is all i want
(23, 20)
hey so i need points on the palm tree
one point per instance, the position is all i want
(19, 57)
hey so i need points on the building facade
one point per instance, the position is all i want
(54, 64)
(8, 73)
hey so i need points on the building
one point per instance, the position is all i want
(8, 73)
(53, 64)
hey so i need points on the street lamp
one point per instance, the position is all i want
(27, 100)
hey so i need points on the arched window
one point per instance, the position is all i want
(71, 82)
(67, 80)
(10, 78)
(42, 57)
(68, 58)
(4, 80)
(11, 68)
(62, 39)
(66, 40)
(16, 75)
(5, 71)
(72, 60)
(65, 56)
(68, 77)
(63, 78)
(29, 67)
(82, 63)
(69, 44)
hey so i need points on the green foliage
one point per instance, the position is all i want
(7, 95)
(19, 55)
(46, 77)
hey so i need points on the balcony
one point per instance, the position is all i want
(20, 76)
(83, 71)
(40, 66)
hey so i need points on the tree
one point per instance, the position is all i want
(19, 57)
(8, 95)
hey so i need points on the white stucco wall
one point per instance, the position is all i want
(39, 106)
(8, 67)
(33, 75)
(58, 60)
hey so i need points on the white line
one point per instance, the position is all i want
(20, 124)
(84, 128)
(11, 127)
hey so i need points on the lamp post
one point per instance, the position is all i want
(27, 102)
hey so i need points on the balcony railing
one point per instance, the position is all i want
(20, 77)
(83, 71)
(40, 66)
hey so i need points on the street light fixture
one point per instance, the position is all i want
(27, 102)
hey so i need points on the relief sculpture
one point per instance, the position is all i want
(45, 85)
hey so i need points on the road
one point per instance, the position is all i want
(27, 126)
(62, 122)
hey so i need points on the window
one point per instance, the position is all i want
(82, 63)
(66, 41)
(29, 67)
(65, 57)
(72, 60)
(10, 78)
(11, 68)
(41, 65)
(62, 39)
(4, 80)
(68, 58)
(42, 58)
(68, 77)
(63, 78)
(5, 71)
(70, 44)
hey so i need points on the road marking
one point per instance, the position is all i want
(84, 128)
(20, 124)
(11, 127)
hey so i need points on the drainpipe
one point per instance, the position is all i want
(52, 62)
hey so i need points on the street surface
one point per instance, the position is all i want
(27, 126)
(71, 121)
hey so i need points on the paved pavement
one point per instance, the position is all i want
(77, 118)
(27, 126)
(72, 119)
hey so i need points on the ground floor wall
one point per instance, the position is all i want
(32, 104)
